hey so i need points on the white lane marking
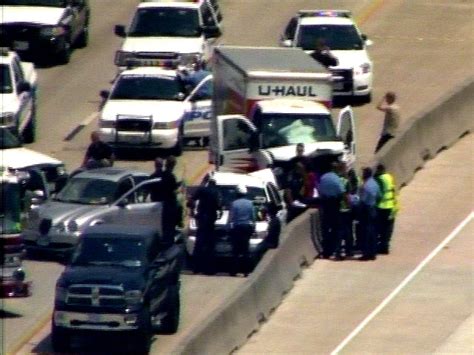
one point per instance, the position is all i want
(397, 290)
(90, 118)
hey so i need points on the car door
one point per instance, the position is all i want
(346, 130)
(197, 117)
(24, 96)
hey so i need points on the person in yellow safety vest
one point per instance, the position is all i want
(387, 208)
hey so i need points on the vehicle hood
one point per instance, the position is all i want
(41, 15)
(350, 59)
(9, 103)
(131, 278)
(164, 44)
(285, 153)
(161, 110)
(20, 158)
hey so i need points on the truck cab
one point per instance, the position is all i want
(268, 137)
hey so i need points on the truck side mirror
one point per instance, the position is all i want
(104, 94)
(119, 31)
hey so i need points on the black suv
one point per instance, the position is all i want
(122, 280)
(44, 30)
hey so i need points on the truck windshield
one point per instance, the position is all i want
(88, 191)
(336, 37)
(9, 208)
(165, 22)
(147, 87)
(53, 3)
(285, 129)
(110, 251)
(6, 86)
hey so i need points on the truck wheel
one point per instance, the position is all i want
(65, 55)
(60, 339)
(170, 323)
(142, 338)
(83, 39)
(30, 130)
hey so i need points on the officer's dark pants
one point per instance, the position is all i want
(368, 224)
(384, 229)
(330, 225)
(170, 217)
(345, 233)
(240, 237)
(203, 254)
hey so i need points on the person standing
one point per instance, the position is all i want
(171, 211)
(156, 190)
(241, 225)
(345, 232)
(387, 208)
(323, 55)
(206, 205)
(99, 154)
(391, 121)
(370, 196)
(331, 191)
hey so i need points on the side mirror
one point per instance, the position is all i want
(24, 86)
(180, 96)
(119, 31)
(286, 43)
(366, 40)
(104, 94)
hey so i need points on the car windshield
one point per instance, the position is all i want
(229, 193)
(336, 37)
(88, 191)
(110, 250)
(53, 3)
(6, 86)
(9, 208)
(286, 129)
(165, 22)
(8, 139)
(147, 87)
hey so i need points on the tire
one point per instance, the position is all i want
(60, 339)
(83, 39)
(142, 338)
(170, 323)
(29, 133)
(65, 55)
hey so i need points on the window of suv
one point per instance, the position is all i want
(166, 22)
(336, 37)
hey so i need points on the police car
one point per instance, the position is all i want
(163, 32)
(151, 107)
(353, 74)
(17, 95)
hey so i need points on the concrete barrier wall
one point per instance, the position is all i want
(422, 138)
(425, 134)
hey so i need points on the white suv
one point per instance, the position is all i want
(164, 32)
(353, 74)
(150, 107)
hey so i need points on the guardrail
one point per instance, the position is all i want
(230, 325)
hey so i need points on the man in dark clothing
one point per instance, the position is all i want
(156, 191)
(331, 190)
(323, 54)
(99, 154)
(171, 210)
(241, 227)
(208, 210)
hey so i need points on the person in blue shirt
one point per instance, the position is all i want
(193, 78)
(369, 195)
(241, 224)
(331, 191)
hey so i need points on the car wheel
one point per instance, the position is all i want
(170, 323)
(142, 338)
(83, 39)
(30, 129)
(65, 55)
(60, 339)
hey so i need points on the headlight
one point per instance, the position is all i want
(188, 59)
(72, 226)
(133, 297)
(53, 31)
(106, 124)
(166, 125)
(7, 119)
(121, 58)
(61, 293)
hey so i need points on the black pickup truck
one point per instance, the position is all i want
(121, 280)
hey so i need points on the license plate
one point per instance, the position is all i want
(94, 318)
(43, 240)
(20, 45)
(132, 139)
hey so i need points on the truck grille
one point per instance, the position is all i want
(344, 82)
(96, 296)
(134, 124)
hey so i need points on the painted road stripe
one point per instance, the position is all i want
(400, 287)
(81, 126)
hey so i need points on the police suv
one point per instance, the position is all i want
(164, 32)
(150, 107)
(44, 29)
(337, 28)
(17, 95)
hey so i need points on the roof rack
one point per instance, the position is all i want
(325, 13)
